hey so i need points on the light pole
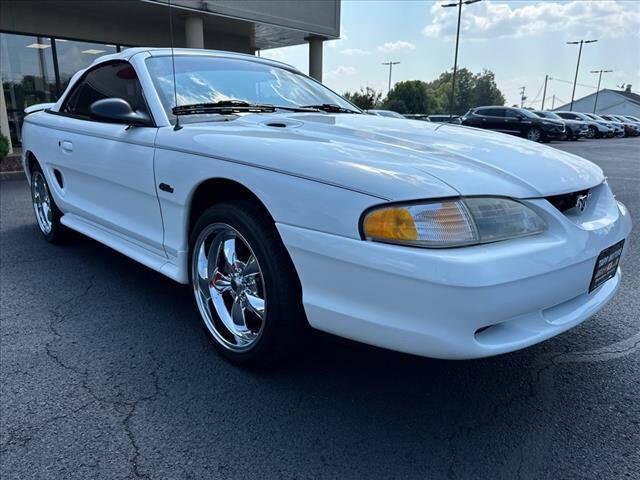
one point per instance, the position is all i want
(391, 64)
(575, 80)
(523, 97)
(455, 60)
(544, 94)
(600, 72)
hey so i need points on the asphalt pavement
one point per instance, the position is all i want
(105, 373)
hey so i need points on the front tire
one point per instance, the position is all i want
(245, 286)
(534, 134)
(45, 209)
(593, 132)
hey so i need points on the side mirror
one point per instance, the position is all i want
(118, 110)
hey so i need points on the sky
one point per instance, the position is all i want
(520, 41)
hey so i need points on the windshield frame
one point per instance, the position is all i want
(552, 115)
(171, 118)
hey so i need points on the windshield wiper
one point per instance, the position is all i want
(331, 108)
(221, 107)
(225, 107)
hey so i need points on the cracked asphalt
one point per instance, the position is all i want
(105, 373)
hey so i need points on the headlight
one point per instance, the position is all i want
(451, 223)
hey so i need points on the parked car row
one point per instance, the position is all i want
(544, 126)
(536, 125)
(516, 121)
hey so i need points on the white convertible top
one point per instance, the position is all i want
(128, 53)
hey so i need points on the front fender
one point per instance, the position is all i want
(290, 200)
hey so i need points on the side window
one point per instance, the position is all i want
(511, 114)
(117, 80)
(490, 112)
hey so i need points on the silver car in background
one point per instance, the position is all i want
(596, 129)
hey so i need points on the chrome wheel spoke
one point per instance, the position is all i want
(255, 305)
(251, 267)
(220, 281)
(202, 277)
(230, 255)
(237, 314)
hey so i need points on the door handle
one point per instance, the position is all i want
(66, 145)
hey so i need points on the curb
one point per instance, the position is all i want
(12, 175)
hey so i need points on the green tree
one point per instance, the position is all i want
(396, 105)
(365, 98)
(472, 90)
(486, 92)
(416, 96)
(413, 96)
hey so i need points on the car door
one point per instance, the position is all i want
(107, 169)
(494, 119)
(484, 118)
(513, 121)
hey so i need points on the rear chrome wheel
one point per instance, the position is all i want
(229, 287)
(42, 203)
(46, 211)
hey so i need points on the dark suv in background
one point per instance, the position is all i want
(574, 129)
(516, 121)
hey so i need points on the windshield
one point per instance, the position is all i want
(208, 79)
(551, 115)
(388, 113)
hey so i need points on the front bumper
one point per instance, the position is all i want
(464, 302)
(553, 132)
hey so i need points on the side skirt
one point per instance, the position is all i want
(150, 259)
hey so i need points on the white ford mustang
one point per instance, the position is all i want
(284, 206)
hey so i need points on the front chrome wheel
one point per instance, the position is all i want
(229, 287)
(42, 202)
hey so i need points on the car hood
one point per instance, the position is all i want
(391, 158)
(575, 122)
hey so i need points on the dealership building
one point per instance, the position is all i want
(607, 101)
(44, 42)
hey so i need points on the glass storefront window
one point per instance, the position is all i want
(28, 76)
(28, 71)
(74, 56)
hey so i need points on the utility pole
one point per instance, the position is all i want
(600, 72)
(544, 93)
(522, 96)
(575, 80)
(391, 64)
(455, 60)
(553, 103)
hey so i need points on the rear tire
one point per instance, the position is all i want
(245, 286)
(45, 209)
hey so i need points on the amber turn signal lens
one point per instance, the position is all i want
(390, 224)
